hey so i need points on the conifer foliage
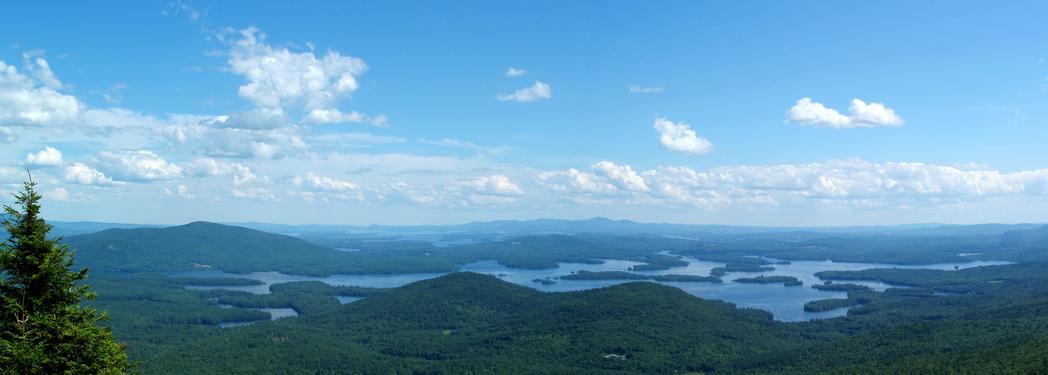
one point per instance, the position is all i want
(44, 329)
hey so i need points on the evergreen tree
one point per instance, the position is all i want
(44, 329)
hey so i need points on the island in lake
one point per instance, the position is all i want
(623, 275)
(784, 280)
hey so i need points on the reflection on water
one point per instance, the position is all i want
(347, 299)
(270, 278)
(785, 303)
(274, 314)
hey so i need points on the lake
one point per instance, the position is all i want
(785, 303)
(274, 314)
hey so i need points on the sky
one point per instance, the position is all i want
(808, 113)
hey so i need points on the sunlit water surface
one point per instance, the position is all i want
(785, 303)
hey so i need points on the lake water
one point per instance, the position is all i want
(785, 303)
(274, 314)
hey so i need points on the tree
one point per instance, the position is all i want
(44, 329)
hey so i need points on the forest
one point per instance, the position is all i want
(471, 323)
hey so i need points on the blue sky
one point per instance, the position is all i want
(761, 113)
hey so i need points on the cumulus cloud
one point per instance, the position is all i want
(104, 121)
(34, 99)
(482, 191)
(573, 181)
(842, 182)
(138, 165)
(255, 119)
(79, 173)
(40, 69)
(495, 184)
(58, 194)
(622, 176)
(334, 116)
(48, 157)
(873, 114)
(680, 137)
(183, 191)
(861, 114)
(210, 136)
(314, 181)
(535, 92)
(208, 167)
(638, 89)
(280, 78)
(259, 193)
(515, 72)
(63, 195)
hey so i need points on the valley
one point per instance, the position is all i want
(176, 307)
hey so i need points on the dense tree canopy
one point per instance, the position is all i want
(43, 327)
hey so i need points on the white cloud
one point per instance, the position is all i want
(535, 92)
(63, 195)
(873, 114)
(494, 184)
(82, 174)
(183, 191)
(34, 100)
(623, 176)
(488, 200)
(48, 157)
(11, 175)
(7, 135)
(341, 139)
(180, 8)
(114, 94)
(842, 183)
(138, 165)
(205, 167)
(515, 72)
(807, 112)
(115, 118)
(259, 193)
(41, 70)
(312, 180)
(680, 137)
(574, 181)
(210, 137)
(280, 78)
(254, 119)
(637, 89)
(334, 116)
(58, 194)
(458, 143)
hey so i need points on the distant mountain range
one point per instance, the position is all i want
(597, 225)
(199, 245)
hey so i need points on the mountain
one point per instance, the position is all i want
(472, 323)
(200, 245)
(72, 228)
(600, 225)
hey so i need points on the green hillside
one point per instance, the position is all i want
(471, 323)
(203, 245)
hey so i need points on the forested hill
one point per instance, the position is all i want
(472, 323)
(199, 245)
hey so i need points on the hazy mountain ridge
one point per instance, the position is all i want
(197, 245)
(597, 225)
